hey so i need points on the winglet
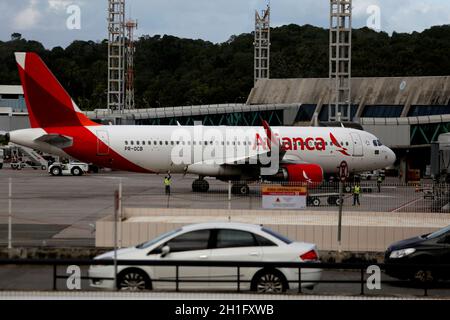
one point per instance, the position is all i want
(271, 138)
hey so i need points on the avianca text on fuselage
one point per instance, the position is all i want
(299, 143)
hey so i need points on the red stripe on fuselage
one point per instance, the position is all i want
(85, 147)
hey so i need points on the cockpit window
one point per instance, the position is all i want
(377, 143)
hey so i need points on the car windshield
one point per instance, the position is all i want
(277, 235)
(157, 239)
(438, 233)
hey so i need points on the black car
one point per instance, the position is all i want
(428, 250)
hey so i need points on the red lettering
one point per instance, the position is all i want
(298, 142)
(309, 142)
(260, 142)
(320, 144)
(287, 143)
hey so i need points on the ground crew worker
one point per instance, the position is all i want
(356, 193)
(167, 182)
(379, 181)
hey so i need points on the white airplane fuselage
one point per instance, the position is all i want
(152, 147)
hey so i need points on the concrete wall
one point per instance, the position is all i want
(361, 232)
(393, 135)
(15, 122)
(370, 91)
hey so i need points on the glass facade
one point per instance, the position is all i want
(274, 118)
(323, 116)
(382, 111)
(15, 102)
(306, 112)
(416, 111)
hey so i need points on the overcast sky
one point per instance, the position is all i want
(213, 20)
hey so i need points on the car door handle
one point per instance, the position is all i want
(203, 256)
(254, 254)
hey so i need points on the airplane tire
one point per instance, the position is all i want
(200, 185)
(241, 189)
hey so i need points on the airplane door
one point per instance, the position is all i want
(102, 143)
(357, 145)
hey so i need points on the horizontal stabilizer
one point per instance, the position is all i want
(56, 140)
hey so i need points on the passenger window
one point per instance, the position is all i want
(137, 142)
(227, 238)
(263, 242)
(143, 143)
(195, 240)
(154, 142)
(160, 143)
(126, 143)
(132, 143)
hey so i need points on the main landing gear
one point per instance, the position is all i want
(200, 185)
(240, 189)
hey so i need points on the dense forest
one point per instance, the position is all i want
(171, 71)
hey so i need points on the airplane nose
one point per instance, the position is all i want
(391, 157)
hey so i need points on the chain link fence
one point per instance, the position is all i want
(63, 211)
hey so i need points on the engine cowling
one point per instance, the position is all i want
(308, 173)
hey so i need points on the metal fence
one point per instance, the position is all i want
(357, 274)
(63, 211)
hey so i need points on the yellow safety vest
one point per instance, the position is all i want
(167, 182)
(357, 190)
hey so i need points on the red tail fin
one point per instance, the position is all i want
(48, 104)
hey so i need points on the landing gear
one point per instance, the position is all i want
(200, 185)
(240, 189)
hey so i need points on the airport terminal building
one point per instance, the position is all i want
(406, 113)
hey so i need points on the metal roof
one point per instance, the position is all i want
(11, 90)
(185, 111)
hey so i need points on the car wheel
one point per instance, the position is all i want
(133, 280)
(271, 281)
(76, 171)
(56, 171)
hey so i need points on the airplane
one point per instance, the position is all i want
(290, 154)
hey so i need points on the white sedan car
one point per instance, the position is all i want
(223, 241)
